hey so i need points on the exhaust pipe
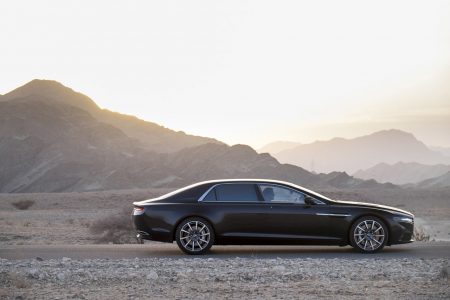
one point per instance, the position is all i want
(140, 236)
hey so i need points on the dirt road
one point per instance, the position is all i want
(155, 250)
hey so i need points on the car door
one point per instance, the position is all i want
(292, 220)
(239, 213)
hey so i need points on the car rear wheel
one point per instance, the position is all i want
(194, 236)
(368, 234)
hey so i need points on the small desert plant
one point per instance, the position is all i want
(444, 272)
(116, 228)
(420, 235)
(16, 280)
(23, 204)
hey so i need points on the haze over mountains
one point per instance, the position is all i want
(352, 155)
(276, 147)
(402, 173)
(53, 139)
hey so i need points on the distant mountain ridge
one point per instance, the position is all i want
(444, 150)
(402, 173)
(151, 135)
(439, 182)
(50, 144)
(351, 155)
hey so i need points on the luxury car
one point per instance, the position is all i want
(266, 212)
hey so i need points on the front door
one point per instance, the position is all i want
(292, 220)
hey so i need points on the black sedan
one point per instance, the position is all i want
(266, 212)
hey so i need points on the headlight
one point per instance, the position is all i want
(404, 219)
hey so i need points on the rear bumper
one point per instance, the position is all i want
(146, 230)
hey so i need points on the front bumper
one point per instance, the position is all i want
(402, 231)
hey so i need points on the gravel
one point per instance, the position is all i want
(200, 278)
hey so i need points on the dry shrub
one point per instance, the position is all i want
(116, 228)
(23, 204)
(13, 279)
(420, 235)
(444, 272)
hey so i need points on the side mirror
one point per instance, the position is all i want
(309, 200)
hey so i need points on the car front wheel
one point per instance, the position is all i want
(194, 236)
(368, 234)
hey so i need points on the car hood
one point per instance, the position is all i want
(371, 205)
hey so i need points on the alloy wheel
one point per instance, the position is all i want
(369, 235)
(194, 236)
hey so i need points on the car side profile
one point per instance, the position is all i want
(266, 212)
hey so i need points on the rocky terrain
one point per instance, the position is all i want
(233, 278)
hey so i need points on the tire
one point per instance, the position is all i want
(368, 234)
(194, 236)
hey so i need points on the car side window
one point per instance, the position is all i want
(211, 196)
(276, 193)
(236, 192)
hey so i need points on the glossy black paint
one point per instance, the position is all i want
(265, 223)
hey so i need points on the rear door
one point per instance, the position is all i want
(240, 214)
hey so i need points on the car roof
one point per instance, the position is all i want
(234, 180)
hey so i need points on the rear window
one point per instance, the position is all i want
(235, 192)
(211, 196)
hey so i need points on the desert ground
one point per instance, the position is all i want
(104, 218)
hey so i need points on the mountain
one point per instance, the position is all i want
(50, 144)
(54, 90)
(151, 135)
(402, 173)
(443, 150)
(442, 181)
(351, 155)
(278, 146)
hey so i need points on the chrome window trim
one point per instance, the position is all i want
(333, 215)
(202, 197)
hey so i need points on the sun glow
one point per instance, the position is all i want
(243, 71)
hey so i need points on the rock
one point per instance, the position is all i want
(61, 276)
(39, 258)
(152, 275)
(182, 275)
(279, 269)
(33, 273)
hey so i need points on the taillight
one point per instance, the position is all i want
(138, 210)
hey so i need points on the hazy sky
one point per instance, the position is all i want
(243, 71)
